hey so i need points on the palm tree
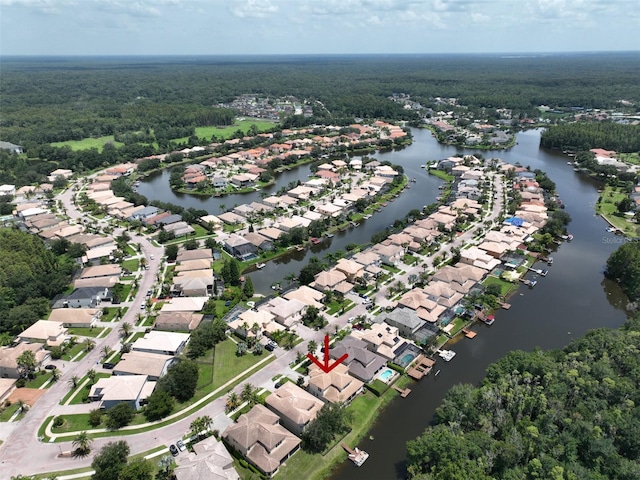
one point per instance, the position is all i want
(89, 344)
(125, 329)
(247, 393)
(73, 382)
(255, 329)
(106, 351)
(55, 374)
(92, 374)
(82, 444)
(312, 346)
(233, 400)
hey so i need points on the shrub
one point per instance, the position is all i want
(21, 382)
(58, 422)
(95, 417)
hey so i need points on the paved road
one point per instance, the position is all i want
(44, 457)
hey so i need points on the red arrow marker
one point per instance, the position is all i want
(326, 368)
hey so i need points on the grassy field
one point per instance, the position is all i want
(505, 287)
(227, 132)
(88, 143)
(132, 264)
(85, 332)
(441, 174)
(606, 206)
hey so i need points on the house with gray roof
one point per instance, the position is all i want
(363, 364)
(405, 319)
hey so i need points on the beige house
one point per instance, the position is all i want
(382, 339)
(443, 294)
(335, 386)
(295, 407)
(197, 254)
(286, 312)
(306, 295)
(350, 268)
(153, 365)
(45, 331)
(164, 343)
(111, 391)
(101, 271)
(189, 265)
(209, 460)
(328, 280)
(194, 283)
(9, 357)
(76, 317)
(259, 437)
(178, 321)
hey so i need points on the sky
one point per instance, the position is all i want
(226, 27)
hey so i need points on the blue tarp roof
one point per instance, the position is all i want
(515, 221)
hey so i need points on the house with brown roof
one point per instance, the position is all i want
(178, 321)
(189, 265)
(441, 293)
(258, 436)
(296, 407)
(306, 295)
(101, 271)
(334, 386)
(194, 283)
(197, 254)
(352, 269)
(455, 278)
(208, 460)
(382, 339)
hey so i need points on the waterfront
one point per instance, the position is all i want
(570, 300)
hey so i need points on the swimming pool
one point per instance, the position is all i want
(407, 358)
(386, 375)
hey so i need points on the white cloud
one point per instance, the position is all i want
(253, 8)
(479, 18)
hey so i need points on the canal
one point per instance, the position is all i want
(572, 299)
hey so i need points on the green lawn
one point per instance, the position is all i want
(80, 394)
(69, 354)
(85, 332)
(7, 413)
(227, 132)
(110, 315)
(132, 264)
(41, 379)
(87, 143)
(505, 287)
(606, 207)
(441, 174)
(73, 423)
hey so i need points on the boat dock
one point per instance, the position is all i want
(529, 283)
(468, 333)
(403, 392)
(421, 368)
(539, 271)
(505, 306)
(357, 456)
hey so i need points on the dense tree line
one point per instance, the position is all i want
(623, 266)
(61, 99)
(570, 414)
(583, 136)
(30, 276)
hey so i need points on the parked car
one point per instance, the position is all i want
(152, 257)
(108, 365)
(51, 366)
(366, 301)
(270, 347)
(362, 295)
(180, 444)
(174, 450)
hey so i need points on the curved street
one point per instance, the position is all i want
(44, 457)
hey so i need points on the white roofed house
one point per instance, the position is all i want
(389, 254)
(164, 343)
(209, 460)
(9, 357)
(286, 312)
(194, 283)
(131, 389)
(243, 324)
(45, 331)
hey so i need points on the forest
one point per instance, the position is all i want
(583, 136)
(30, 276)
(572, 414)
(50, 99)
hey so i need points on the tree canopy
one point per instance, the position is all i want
(570, 414)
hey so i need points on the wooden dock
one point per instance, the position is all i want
(505, 305)
(421, 368)
(357, 456)
(403, 392)
(468, 333)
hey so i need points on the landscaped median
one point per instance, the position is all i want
(227, 367)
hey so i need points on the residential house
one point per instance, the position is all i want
(153, 365)
(131, 389)
(259, 241)
(164, 343)
(363, 364)
(271, 233)
(45, 331)
(296, 407)
(389, 254)
(178, 321)
(201, 253)
(111, 270)
(425, 308)
(258, 436)
(184, 304)
(478, 258)
(306, 295)
(328, 280)
(209, 459)
(442, 293)
(405, 320)
(9, 357)
(240, 247)
(76, 317)
(245, 323)
(455, 278)
(243, 180)
(85, 297)
(285, 312)
(190, 265)
(383, 339)
(335, 386)
(352, 269)
(194, 283)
